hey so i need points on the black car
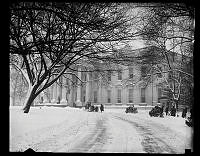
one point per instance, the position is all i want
(189, 122)
(131, 109)
(93, 109)
(156, 111)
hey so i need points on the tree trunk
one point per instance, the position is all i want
(28, 103)
(29, 100)
(13, 101)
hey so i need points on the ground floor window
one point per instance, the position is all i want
(130, 95)
(119, 96)
(95, 96)
(142, 95)
(159, 93)
(109, 96)
(84, 93)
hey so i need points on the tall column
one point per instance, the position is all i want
(46, 96)
(51, 93)
(78, 100)
(58, 92)
(42, 97)
(99, 93)
(87, 88)
(64, 90)
(71, 94)
(39, 98)
(54, 86)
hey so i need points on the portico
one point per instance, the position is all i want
(65, 93)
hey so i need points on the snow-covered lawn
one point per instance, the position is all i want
(38, 118)
(25, 129)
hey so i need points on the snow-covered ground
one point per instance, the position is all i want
(69, 129)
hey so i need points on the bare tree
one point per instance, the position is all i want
(50, 39)
(171, 28)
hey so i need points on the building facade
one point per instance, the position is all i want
(124, 87)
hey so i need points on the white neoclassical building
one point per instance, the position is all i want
(124, 88)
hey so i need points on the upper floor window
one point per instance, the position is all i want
(159, 75)
(143, 71)
(142, 95)
(130, 72)
(109, 75)
(161, 69)
(130, 95)
(95, 76)
(83, 76)
(119, 74)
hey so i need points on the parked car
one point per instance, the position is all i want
(156, 111)
(131, 109)
(91, 109)
(189, 122)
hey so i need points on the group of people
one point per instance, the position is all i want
(93, 108)
(173, 110)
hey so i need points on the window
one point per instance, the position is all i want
(95, 76)
(176, 74)
(109, 75)
(95, 96)
(142, 95)
(109, 96)
(84, 92)
(159, 75)
(119, 96)
(159, 94)
(170, 75)
(161, 69)
(130, 95)
(143, 71)
(67, 82)
(85, 77)
(130, 72)
(171, 85)
(120, 74)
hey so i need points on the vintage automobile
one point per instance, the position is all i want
(156, 111)
(131, 109)
(93, 109)
(189, 122)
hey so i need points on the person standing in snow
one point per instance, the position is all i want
(184, 112)
(191, 113)
(102, 108)
(173, 111)
(166, 110)
(161, 111)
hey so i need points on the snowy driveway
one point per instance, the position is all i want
(110, 131)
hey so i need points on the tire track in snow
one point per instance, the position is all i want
(95, 140)
(150, 143)
(58, 140)
(123, 137)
